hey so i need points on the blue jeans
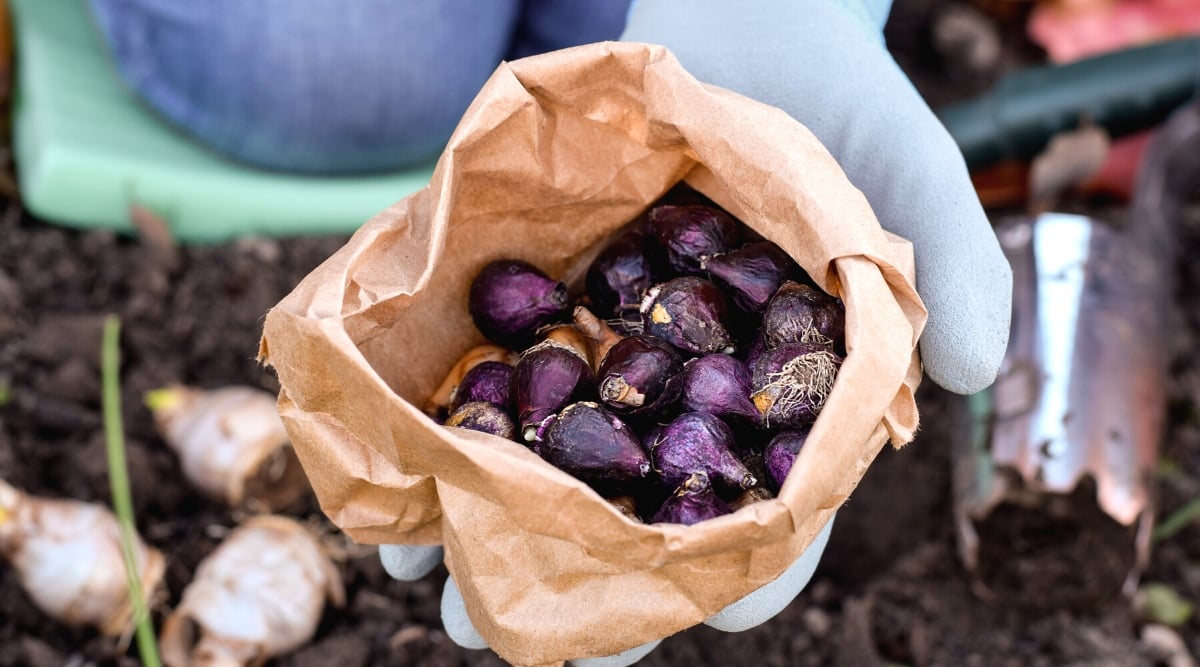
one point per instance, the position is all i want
(331, 86)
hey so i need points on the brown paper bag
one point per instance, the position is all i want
(556, 153)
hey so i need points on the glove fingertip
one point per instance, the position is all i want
(409, 563)
(765, 603)
(958, 370)
(457, 624)
(966, 337)
(622, 659)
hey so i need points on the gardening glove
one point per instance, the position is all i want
(824, 62)
(409, 563)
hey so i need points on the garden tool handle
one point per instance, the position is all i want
(1123, 92)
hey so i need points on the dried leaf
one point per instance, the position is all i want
(1070, 159)
(601, 335)
(1002, 185)
(1162, 604)
(152, 229)
(1081, 28)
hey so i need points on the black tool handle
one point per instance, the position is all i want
(1123, 91)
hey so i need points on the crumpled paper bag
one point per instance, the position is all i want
(556, 153)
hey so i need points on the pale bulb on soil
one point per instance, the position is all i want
(260, 594)
(67, 555)
(231, 443)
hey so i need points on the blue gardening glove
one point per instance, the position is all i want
(408, 563)
(823, 61)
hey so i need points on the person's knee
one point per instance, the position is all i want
(360, 87)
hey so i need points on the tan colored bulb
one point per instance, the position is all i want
(600, 336)
(231, 443)
(67, 554)
(443, 396)
(260, 594)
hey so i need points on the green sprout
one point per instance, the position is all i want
(118, 479)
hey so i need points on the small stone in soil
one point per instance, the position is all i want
(816, 621)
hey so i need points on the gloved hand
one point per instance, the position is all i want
(823, 62)
(409, 563)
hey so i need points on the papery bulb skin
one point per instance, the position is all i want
(596, 446)
(485, 417)
(720, 385)
(639, 375)
(690, 314)
(792, 382)
(752, 274)
(548, 377)
(258, 595)
(798, 313)
(699, 442)
(489, 381)
(781, 453)
(67, 555)
(686, 235)
(692, 502)
(231, 443)
(437, 406)
(619, 276)
(510, 300)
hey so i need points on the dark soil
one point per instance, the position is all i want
(1066, 553)
(890, 589)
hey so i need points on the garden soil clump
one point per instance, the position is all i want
(889, 590)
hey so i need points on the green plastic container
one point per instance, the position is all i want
(87, 151)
